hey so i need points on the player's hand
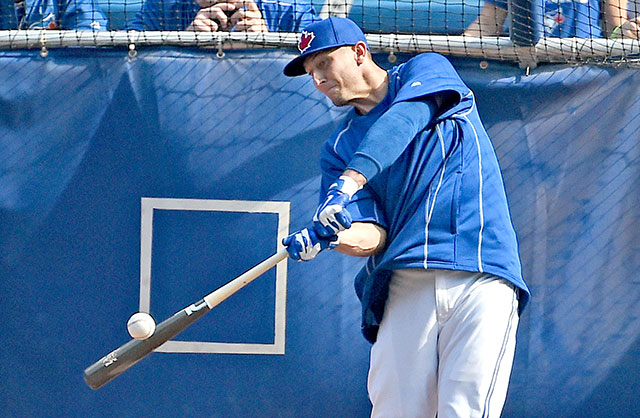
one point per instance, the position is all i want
(332, 216)
(249, 17)
(304, 245)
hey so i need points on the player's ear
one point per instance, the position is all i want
(361, 52)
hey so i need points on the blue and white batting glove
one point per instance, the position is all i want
(304, 245)
(332, 216)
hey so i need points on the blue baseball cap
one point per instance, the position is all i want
(325, 34)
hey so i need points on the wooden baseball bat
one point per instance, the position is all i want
(122, 358)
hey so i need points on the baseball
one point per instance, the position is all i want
(141, 326)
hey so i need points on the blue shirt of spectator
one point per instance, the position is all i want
(178, 14)
(567, 18)
(52, 14)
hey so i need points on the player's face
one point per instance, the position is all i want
(335, 73)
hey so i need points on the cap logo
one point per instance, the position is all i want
(305, 41)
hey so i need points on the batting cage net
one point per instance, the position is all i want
(525, 31)
(86, 133)
(153, 150)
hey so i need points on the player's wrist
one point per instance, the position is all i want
(329, 242)
(364, 166)
(346, 185)
(306, 244)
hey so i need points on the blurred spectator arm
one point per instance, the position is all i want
(490, 20)
(616, 22)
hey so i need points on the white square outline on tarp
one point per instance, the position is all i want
(148, 205)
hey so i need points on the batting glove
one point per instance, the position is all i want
(304, 245)
(332, 216)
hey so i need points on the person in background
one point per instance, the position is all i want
(562, 18)
(52, 14)
(219, 15)
(621, 19)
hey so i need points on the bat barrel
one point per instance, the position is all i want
(118, 361)
(121, 359)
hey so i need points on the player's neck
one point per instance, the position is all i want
(377, 85)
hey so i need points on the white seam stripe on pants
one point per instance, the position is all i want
(445, 346)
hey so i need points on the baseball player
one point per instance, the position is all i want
(411, 180)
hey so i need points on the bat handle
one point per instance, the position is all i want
(219, 295)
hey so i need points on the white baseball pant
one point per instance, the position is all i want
(445, 346)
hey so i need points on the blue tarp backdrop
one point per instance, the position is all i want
(85, 134)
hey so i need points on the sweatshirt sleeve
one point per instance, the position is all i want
(390, 135)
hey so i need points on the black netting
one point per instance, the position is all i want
(527, 31)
